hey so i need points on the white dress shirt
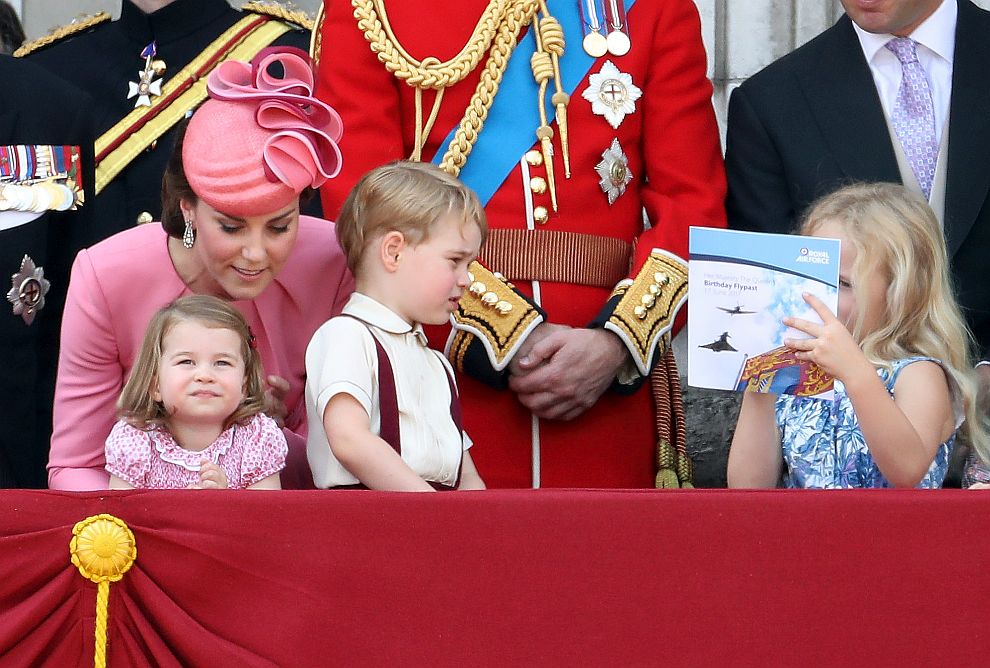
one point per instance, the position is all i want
(342, 358)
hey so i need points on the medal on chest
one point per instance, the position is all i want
(613, 172)
(28, 289)
(594, 43)
(147, 86)
(39, 178)
(612, 94)
(617, 41)
(606, 27)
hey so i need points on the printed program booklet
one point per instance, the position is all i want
(742, 284)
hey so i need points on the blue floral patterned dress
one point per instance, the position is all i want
(974, 471)
(824, 446)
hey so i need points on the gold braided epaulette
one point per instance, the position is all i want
(280, 12)
(495, 314)
(77, 26)
(316, 37)
(646, 310)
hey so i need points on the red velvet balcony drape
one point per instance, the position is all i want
(506, 577)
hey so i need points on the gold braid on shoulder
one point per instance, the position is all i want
(78, 25)
(278, 11)
(496, 32)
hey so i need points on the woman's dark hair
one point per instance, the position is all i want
(175, 187)
(11, 31)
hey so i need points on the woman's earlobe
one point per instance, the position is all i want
(185, 209)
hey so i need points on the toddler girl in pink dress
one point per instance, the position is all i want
(191, 411)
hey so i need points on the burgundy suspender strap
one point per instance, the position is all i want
(455, 415)
(388, 401)
(388, 409)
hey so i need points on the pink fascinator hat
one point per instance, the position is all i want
(261, 140)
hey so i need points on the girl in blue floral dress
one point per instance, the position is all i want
(898, 350)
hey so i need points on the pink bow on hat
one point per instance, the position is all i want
(302, 151)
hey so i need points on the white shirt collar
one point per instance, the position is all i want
(375, 313)
(936, 33)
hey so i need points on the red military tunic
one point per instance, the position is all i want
(672, 144)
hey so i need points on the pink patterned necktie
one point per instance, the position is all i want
(913, 116)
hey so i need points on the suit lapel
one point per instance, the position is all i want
(843, 100)
(967, 177)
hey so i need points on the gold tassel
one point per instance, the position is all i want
(666, 475)
(542, 66)
(552, 37)
(674, 467)
(667, 479)
(545, 135)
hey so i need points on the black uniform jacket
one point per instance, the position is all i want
(37, 108)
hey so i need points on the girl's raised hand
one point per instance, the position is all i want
(211, 476)
(831, 347)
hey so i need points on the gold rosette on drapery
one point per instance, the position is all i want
(103, 549)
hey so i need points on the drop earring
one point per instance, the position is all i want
(188, 235)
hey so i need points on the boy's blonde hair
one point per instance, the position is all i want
(407, 197)
(136, 404)
(895, 234)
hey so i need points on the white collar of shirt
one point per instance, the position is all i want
(375, 313)
(937, 33)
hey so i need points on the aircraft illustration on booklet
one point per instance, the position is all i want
(736, 310)
(720, 344)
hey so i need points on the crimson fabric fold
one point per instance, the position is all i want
(317, 578)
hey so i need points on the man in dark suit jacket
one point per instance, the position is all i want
(814, 121)
(41, 116)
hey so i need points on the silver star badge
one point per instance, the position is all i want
(144, 88)
(612, 94)
(27, 294)
(614, 171)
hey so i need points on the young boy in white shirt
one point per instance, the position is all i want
(382, 405)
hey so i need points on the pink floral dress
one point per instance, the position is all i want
(247, 453)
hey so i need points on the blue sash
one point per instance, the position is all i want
(511, 126)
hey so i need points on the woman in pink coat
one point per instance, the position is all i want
(231, 228)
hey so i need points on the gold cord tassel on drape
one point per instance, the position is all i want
(103, 549)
